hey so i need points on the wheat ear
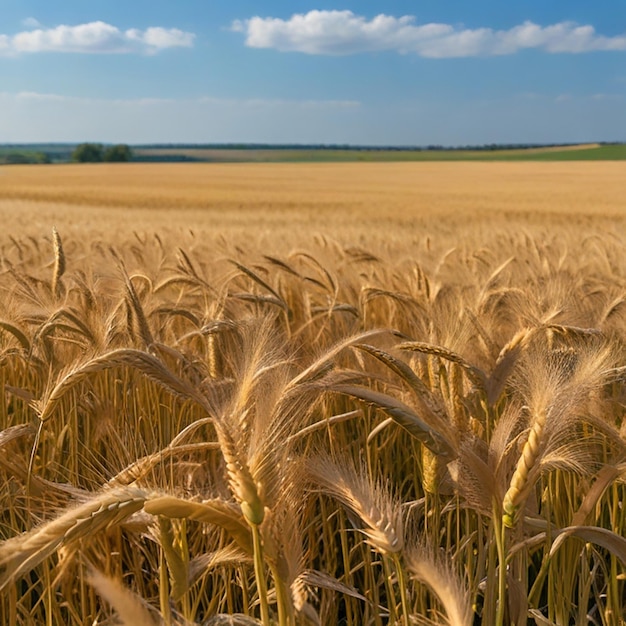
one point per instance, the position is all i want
(519, 485)
(20, 554)
(445, 585)
(370, 505)
(132, 610)
(59, 262)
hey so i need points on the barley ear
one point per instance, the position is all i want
(444, 583)
(519, 485)
(242, 483)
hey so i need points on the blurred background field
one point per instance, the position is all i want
(335, 198)
(243, 153)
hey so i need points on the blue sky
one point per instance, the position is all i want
(403, 73)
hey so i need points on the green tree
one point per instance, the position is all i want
(88, 153)
(118, 153)
(23, 157)
(40, 157)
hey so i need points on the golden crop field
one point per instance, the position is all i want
(321, 394)
(231, 195)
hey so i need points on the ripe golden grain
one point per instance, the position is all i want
(337, 195)
(204, 333)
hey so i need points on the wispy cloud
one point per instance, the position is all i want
(344, 33)
(519, 118)
(32, 116)
(32, 22)
(210, 100)
(93, 38)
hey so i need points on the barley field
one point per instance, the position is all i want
(347, 394)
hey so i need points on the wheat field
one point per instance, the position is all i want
(220, 195)
(356, 394)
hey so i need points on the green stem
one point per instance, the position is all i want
(535, 591)
(283, 601)
(345, 555)
(48, 597)
(184, 552)
(402, 584)
(489, 609)
(500, 532)
(259, 572)
(164, 590)
(371, 584)
(391, 598)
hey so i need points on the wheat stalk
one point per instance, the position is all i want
(59, 263)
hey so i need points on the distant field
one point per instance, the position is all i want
(581, 152)
(328, 196)
(62, 153)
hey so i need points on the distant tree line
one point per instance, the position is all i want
(358, 148)
(15, 153)
(97, 153)
(14, 157)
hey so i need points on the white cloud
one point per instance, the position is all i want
(343, 32)
(158, 38)
(608, 96)
(94, 38)
(32, 22)
(34, 95)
